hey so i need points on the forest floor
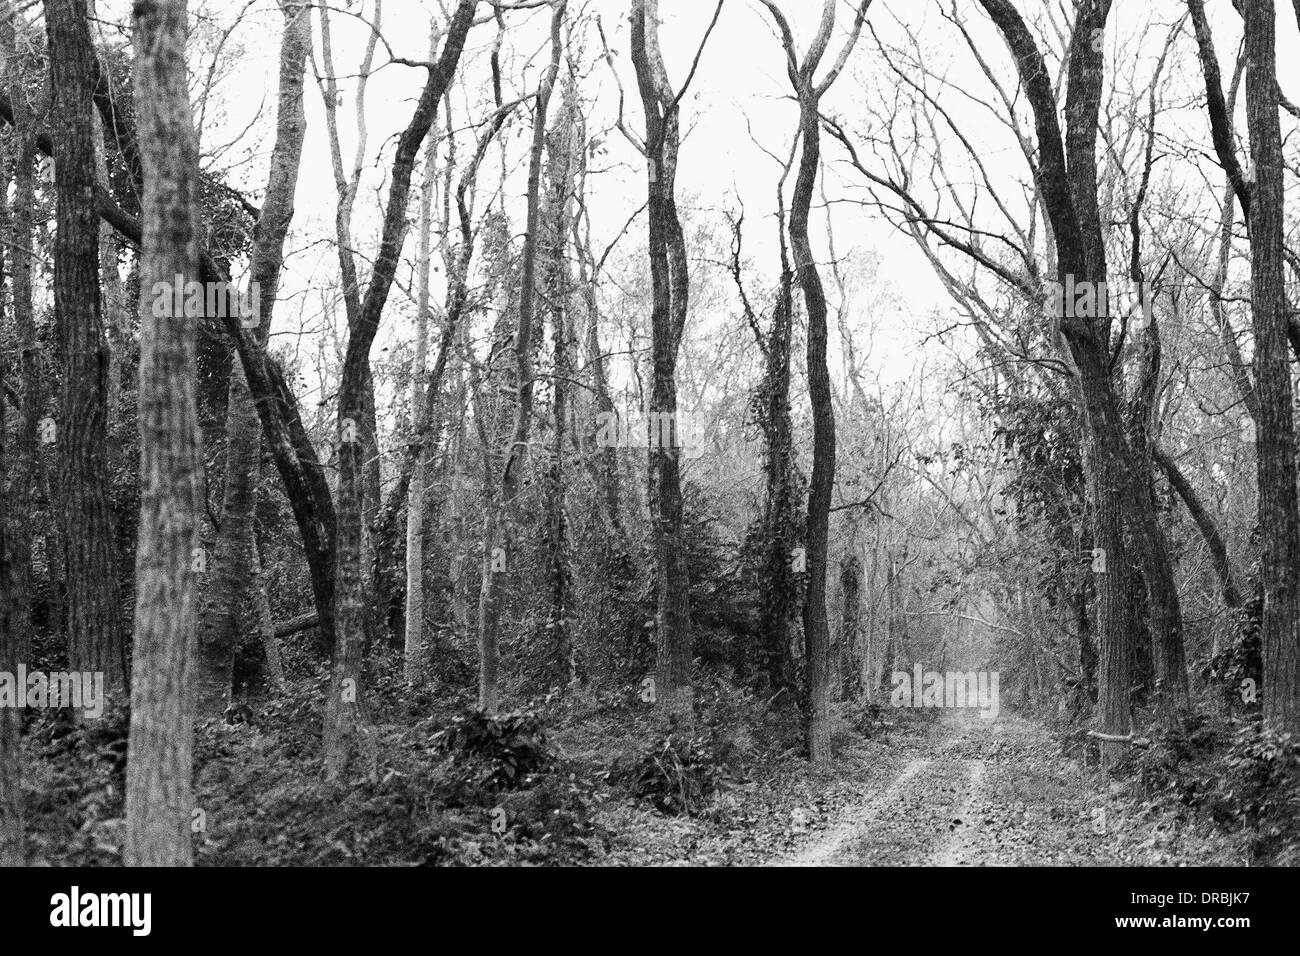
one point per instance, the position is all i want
(955, 791)
(905, 788)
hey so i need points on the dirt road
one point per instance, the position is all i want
(986, 793)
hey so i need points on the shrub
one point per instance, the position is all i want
(1242, 775)
(678, 776)
(511, 746)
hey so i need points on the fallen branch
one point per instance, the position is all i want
(1117, 739)
(296, 624)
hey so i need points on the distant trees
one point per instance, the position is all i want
(1094, 460)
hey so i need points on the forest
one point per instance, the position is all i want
(649, 432)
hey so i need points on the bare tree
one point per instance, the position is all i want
(345, 693)
(670, 285)
(809, 91)
(499, 510)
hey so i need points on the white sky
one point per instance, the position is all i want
(735, 112)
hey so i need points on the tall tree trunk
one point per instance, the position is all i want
(26, 470)
(232, 585)
(1118, 483)
(11, 625)
(670, 291)
(346, 186)
(1205, 523)
(230, 568)
(779, 591)
(816, 627)
(1275, 438)
(499, 508)
(95, 640)
(345, 699)
(850, 622)
(562, 150)
(419, 468)
(158, 794)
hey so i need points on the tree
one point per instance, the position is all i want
(26, 469)
(1279, 520)
(95, 640)
(414, 637)
(808, 92)
(670, 305)
(158, 794)
(499, 510)
(345, 692)
(11, 625)
(236, 584)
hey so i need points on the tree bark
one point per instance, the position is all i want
(26, 469)
(499, 507)
(416, 495)
(95, 639)
(232, 586)
(1205, 523)
(1275, 445)
(11, 625)
(557, 282)
(345, 698)
(670, 291)
(158, 788)
(816, 626)
(1117, 485)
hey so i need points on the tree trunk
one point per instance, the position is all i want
(26, 471)
(1118, 482)
(674, 650)
(1275, 438)
(230, 569)
(1205, 524)
(779, 597)
(158, 795)
(11, 625)
(416, 495)
(499, 507)
(850, 621)
(562, 150)
(345, 699)
(231, 588)
(816, 627)
(95, 640)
